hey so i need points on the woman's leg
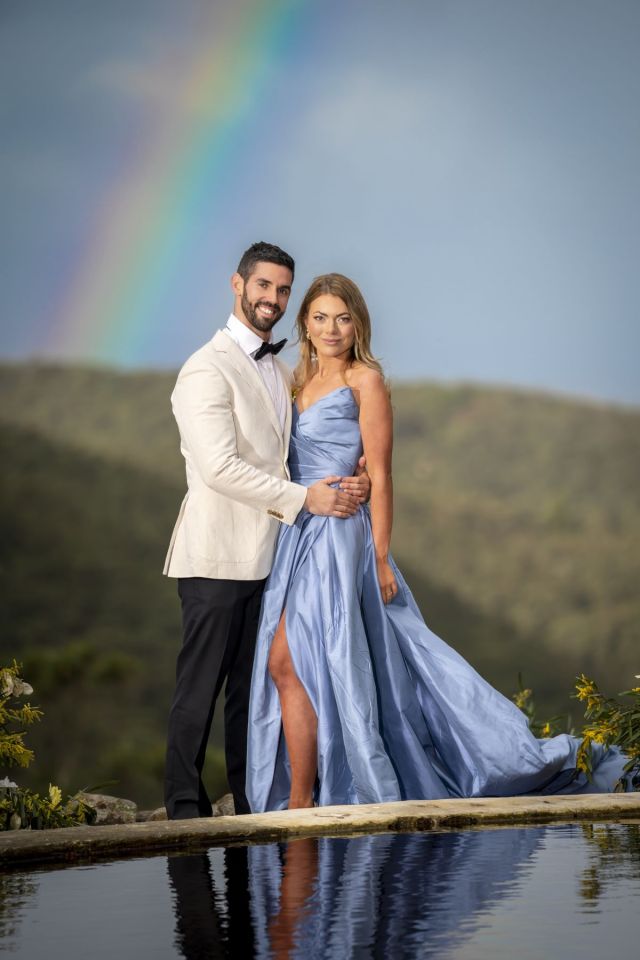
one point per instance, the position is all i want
(298, 720)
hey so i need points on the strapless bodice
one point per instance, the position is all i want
(325, 438)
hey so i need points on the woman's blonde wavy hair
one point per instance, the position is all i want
(339, 286)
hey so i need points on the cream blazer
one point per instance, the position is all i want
(236, 461)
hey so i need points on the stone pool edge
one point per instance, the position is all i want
(91, 843)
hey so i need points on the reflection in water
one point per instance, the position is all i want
(16, 890)
(299, 875)
(212, 919)
(476, 895)
(614, 851)
(375, 896)
(380, 896)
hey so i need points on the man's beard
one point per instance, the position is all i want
(263, 324)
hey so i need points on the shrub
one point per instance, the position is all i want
(611, 723)
(21, 808)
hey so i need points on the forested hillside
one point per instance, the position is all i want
(517, 523)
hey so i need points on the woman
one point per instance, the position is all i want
(354, 699)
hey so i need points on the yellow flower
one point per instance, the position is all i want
(55, 796)
(583, 756)
(602, 733)
(546, 730)
(521, 699)
(6, 681)
(586, 688)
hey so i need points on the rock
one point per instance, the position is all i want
(224, 807)
(144, 816)
(110, 809)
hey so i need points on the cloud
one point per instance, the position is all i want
(367, 103)
(375, 122)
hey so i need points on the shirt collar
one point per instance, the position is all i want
(247, 340)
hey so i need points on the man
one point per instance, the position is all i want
(232, 403)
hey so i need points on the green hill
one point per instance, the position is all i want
(527, 506)
(86, 609)
(517, 522)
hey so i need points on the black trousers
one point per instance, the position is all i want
(220, 623)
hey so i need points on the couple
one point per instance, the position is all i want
(336, 690)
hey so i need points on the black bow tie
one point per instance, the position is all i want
(268, 348)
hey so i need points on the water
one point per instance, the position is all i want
(571, 891)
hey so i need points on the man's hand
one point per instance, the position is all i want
(327, 501)
(360, 485)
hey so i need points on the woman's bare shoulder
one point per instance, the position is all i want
(365, 378)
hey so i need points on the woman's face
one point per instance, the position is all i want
(330, 326)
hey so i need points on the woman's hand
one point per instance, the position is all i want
(387, 580)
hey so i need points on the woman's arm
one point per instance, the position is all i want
(376, 427)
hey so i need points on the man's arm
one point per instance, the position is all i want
(202, 406)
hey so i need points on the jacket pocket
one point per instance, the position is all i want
(221, 529)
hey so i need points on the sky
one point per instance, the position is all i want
(471, 164)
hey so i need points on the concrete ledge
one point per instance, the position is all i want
(23, 847)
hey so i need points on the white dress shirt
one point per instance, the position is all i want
(249, 342)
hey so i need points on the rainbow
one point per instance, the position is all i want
(139, 237)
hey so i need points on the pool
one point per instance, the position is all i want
(562, 890)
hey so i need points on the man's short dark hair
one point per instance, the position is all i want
(264, 253)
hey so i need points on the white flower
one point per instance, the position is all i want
(7, 784)
(14, 686)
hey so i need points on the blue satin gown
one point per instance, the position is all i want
(401, 715)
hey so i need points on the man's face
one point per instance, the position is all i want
(264, 295)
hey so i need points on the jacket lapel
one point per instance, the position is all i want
(246, 368)
(287, 378)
